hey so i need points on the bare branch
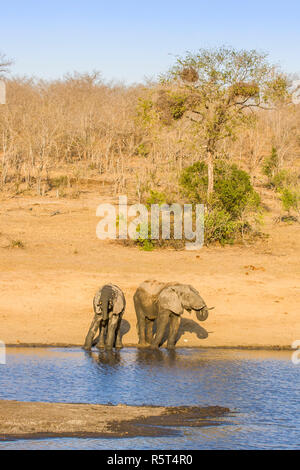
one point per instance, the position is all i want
(5, 63)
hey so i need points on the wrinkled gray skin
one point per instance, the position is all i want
(164, 302)
(109, 305)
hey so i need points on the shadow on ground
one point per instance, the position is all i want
(186, 326)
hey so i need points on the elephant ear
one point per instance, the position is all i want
(168, 300)
(96, 302)
(118, 304)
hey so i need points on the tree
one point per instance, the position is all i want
(5, 63)
(218, 89)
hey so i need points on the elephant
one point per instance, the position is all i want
(164, 302)
(109, 305)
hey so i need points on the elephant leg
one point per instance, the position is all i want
(92, 332)
(101, 340)
(140, 324)
(141, 327)
(149, 330)
(119, 344)
(111, 331)
(162, 322)
(174, 327)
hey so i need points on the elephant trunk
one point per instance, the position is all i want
(202, 314)
(105, 312)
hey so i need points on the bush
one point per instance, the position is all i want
(282, 179)
(290, 199)
(219, 227)
(230, 204)
(194, 182)
(146, 245)
(156, 198)
(17, 244)
(232, 188)
(271, 163)
(228, 211)
(284, 182)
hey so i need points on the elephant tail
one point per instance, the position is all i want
(107, 295)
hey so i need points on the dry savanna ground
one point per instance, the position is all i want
(51, 264)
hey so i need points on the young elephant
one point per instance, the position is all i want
(160, 301)
(109, 305)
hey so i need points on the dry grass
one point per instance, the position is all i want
(62, 136)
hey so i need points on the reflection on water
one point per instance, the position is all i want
(263, 387)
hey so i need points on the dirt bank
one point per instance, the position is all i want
(20, 420)
(51, 264)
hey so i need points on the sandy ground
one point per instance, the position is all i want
(47, 287)
(27, 420)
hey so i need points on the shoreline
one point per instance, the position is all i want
(134, 346)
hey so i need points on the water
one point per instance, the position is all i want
(262, 387)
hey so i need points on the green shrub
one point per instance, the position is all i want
(145, 111)
(270, 164)
(228, 212)
(232, 188)
(229, 206)
(285, 182)
(146, 245)
(194, 182)
(219, 227)
(282, 179)
(279, 179)
(17, 244)
(156, 198)
(290, 199)
(177, 105)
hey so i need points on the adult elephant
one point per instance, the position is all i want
(164, 302)
(109, 305)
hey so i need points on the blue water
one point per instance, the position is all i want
(262, 387)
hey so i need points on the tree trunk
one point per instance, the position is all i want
(210, 175)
